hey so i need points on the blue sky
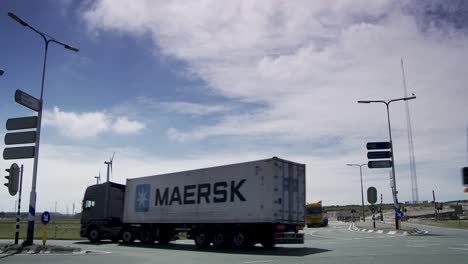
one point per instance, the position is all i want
(172, 85)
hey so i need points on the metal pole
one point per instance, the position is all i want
(381, 207)
(435, 205)
(362, 195)
(395, 192)
(32, 197)
(18, 215)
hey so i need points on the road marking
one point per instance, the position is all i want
(422, 245)
(458, 248)
(258, 261)
(379, 232)
(370, 231)
(392, 232)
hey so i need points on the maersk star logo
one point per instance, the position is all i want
(142, 196)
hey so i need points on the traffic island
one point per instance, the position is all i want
(13, 249)
(385, 228)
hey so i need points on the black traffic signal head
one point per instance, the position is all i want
(13, 179)
(465, 175)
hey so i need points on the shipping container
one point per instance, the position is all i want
(252, 202)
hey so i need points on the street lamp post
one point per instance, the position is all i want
(362, 191)
(32, 198)
(395, 192)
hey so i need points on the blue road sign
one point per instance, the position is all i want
(45, 217)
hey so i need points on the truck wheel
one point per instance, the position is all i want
(127, 236)
(202, 239)
(241, 239)
(93, 234)
(146, 236)
(221, 239)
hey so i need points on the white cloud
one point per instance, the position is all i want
(195, 109)
(308, 63)
(86, 125)
(123, 126)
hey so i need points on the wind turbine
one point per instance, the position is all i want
(98, 178)
(109, 166)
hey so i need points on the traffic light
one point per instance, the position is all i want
(12, 177)
(465, 175)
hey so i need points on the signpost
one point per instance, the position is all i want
(19, 153)
(27, 100)
(20, 138)
(21, 123)
(45, 218)
(379, 155)
(379, 164)
(378, 145)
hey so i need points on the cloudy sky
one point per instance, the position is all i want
(176, 85)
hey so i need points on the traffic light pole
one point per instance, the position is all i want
(18, 215)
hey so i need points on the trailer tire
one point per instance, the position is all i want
(241, 238)
(127, 236)
(202, 238)
(93, 234)
(146, 236)
(221, 238)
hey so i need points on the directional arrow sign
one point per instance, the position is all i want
(21, 123)
(378, 145)
(378, 155)
(27, 100)
(378, 164)
(45, 217)
(20, 138)
(19, 153)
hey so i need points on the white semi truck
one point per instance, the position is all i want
(235, 205)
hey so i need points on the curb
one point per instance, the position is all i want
(413, 232)
(12, 249)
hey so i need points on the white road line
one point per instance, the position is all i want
(422, 245)
(379, 232)
(370, 231)
(458, 248)
(258, 261)
(392, 232)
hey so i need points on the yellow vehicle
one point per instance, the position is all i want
(315, 215)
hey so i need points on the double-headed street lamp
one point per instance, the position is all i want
(362, 192)
(32, 199)
(387, 103)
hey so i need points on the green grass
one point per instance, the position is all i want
(63, 229)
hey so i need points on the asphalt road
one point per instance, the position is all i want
(332, 244)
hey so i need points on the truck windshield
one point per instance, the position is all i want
(314, 210)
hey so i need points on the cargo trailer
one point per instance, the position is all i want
(235, 205)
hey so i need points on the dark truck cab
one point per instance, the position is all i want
(101, 218)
